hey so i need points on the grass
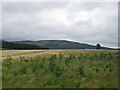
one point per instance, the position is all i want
(68, 69)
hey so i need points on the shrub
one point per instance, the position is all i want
(8, 61)
(60, 56)
(109, 73)
(22, 70)
(107, 66)
(26, 60)
(109, 85)
(72, 56)
(89, 76)
(46, 69)
(50, 81)
(94, 67)
(78, 84)
(21, 58)
(53, 57)
(91, 58)
(57, 71)
(97, 69)
(15, 73)
(83, 65)
(43, 59)
(99, 64)
(110, 70)
(102, 86)
(52, 65)
(41, 65)
(67, 61)
(101, 56)
(79, 57)
(104, 69)
(81, 71)
(35, 67)
(96, 56)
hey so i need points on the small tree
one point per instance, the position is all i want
(57, 71)
(98, 46)
(81, 71)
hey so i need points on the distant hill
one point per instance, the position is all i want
(20, 46)
(61, 44)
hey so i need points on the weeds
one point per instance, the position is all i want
(80, 69)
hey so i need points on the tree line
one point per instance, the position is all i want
(12, 45)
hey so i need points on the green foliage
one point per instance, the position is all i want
(35, 67)
(15, 73)
(52, 58)
(41, 65)
(97, 69)
(79, 57)
(22, 70)
(81, 71)
(90, 69)
(67, 61)
(107, 66)
(78, 84)
(109, 85)
(102, 86)
(8, 61)
(110, 70)
(21, 58)
(58, 71)
(71, 57)
(60, 57)
(94, 67)
(26, 60)
(52, 65)
(43, 59)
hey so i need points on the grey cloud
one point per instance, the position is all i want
(83, 22)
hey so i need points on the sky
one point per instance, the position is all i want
(84, 22)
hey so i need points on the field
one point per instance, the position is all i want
(60, 68)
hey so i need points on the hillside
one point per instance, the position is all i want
(60, 44)
(22, 46)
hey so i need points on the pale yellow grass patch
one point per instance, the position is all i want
(32, 53)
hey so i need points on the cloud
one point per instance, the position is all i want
(83, 22)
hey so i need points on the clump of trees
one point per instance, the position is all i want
(12, 45)
(98, 46)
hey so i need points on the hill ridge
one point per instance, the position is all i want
(61, 44)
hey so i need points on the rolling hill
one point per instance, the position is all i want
(20, 46)
(61, 44)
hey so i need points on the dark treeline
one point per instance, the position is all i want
(11, 45)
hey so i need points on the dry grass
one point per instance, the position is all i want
(32, 53)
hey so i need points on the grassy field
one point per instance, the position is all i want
(60, 69)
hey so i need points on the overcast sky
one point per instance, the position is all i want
(87, 22)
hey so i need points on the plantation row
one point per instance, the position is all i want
(63, 70)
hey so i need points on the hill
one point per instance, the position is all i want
(61, 44)
(21, 46)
